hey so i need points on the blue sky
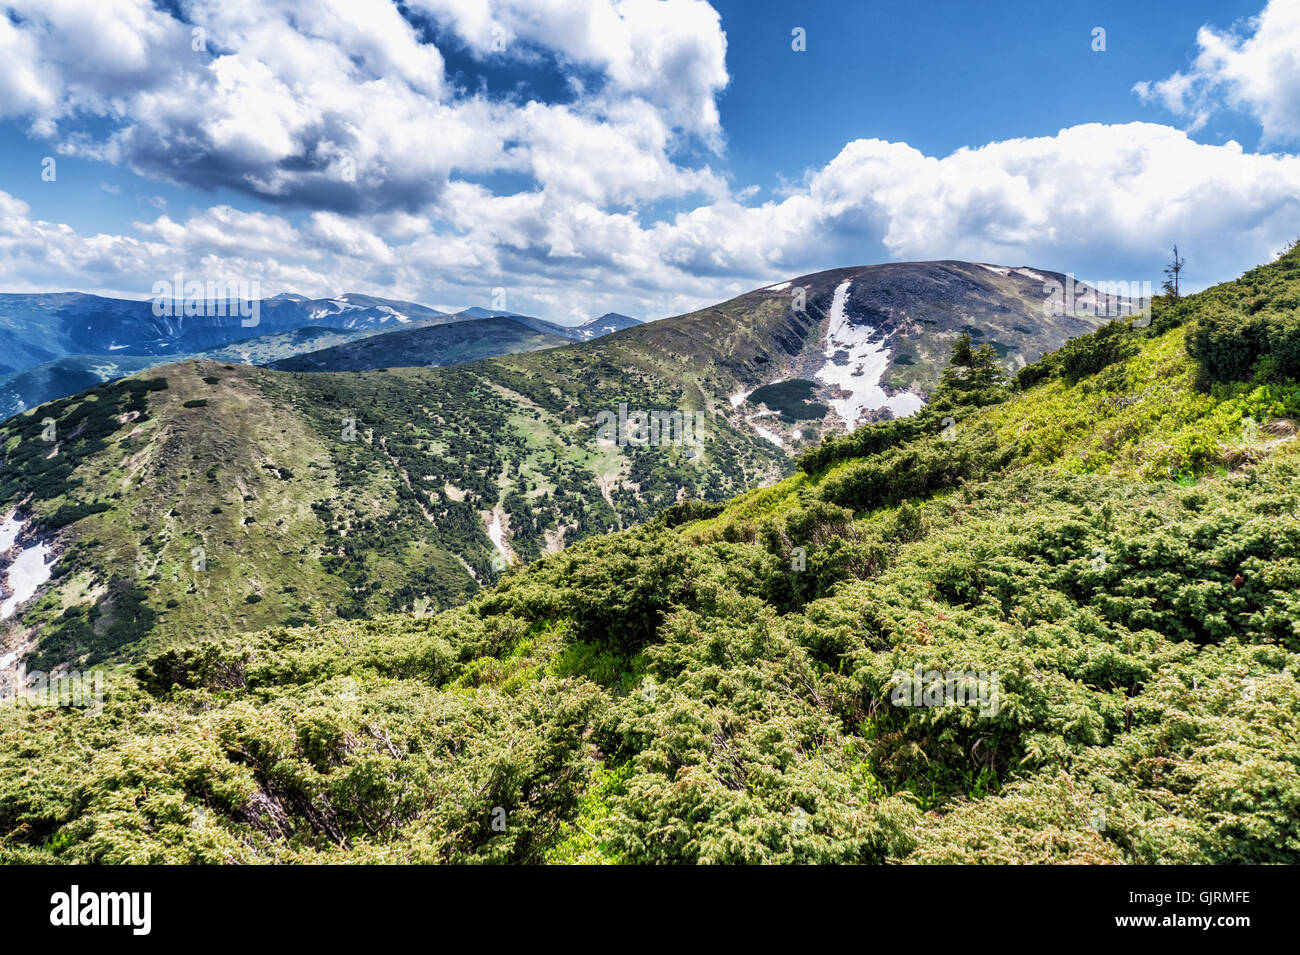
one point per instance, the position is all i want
(635, 155)
(944, 75)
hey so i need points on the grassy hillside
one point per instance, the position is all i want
(1112, 540)
(312, 497)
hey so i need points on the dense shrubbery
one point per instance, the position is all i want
(719, 685)
(1236, 348)
(741, 733)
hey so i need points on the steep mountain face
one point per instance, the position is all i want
(432, 346)
(314, 496)
(1061, 630)
(867, 343)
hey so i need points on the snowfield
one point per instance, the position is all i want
(26, 572)
(497, 534)
(861, 375)
(9, 532)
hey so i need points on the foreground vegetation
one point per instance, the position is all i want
(1115, 535)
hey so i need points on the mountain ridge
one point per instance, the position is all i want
(446, 475)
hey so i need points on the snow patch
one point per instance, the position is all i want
(739, 398)
(778, 288)
(769, 435)
(1001, 270)
(9, 532)
(27, 572)
(861, 375)
(1030, 273)
(496, 533)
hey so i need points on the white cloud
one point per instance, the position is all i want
(1255, 69)
(671, 53)
(1104, 202)
(343, 111)
(343, 106)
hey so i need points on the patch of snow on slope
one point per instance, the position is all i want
(769, 435)
(497, 534)
(27, 573)
(1030, 273)
(994, 268)
(860, 376)
(9, 532)
(778, 288)
(739, 398)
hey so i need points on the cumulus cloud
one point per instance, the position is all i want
(1104, 202)
(377, 174)
(671, 53)
(1255, 69)
(345, 106)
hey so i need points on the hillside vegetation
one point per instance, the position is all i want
(231, 499)
(1114, 536)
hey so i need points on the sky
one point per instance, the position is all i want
(573, 157)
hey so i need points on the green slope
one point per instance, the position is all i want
(1115, 538)
(298, 523)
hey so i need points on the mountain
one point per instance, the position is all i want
(73, 373)
(21, 390)
(35, 329)
(312, 497)
(1043, 621)
(449, 344)
(607, 324)
(865, 343)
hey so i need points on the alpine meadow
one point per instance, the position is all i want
(940, 505)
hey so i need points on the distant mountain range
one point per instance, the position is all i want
(58, 344)
(38, 328)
